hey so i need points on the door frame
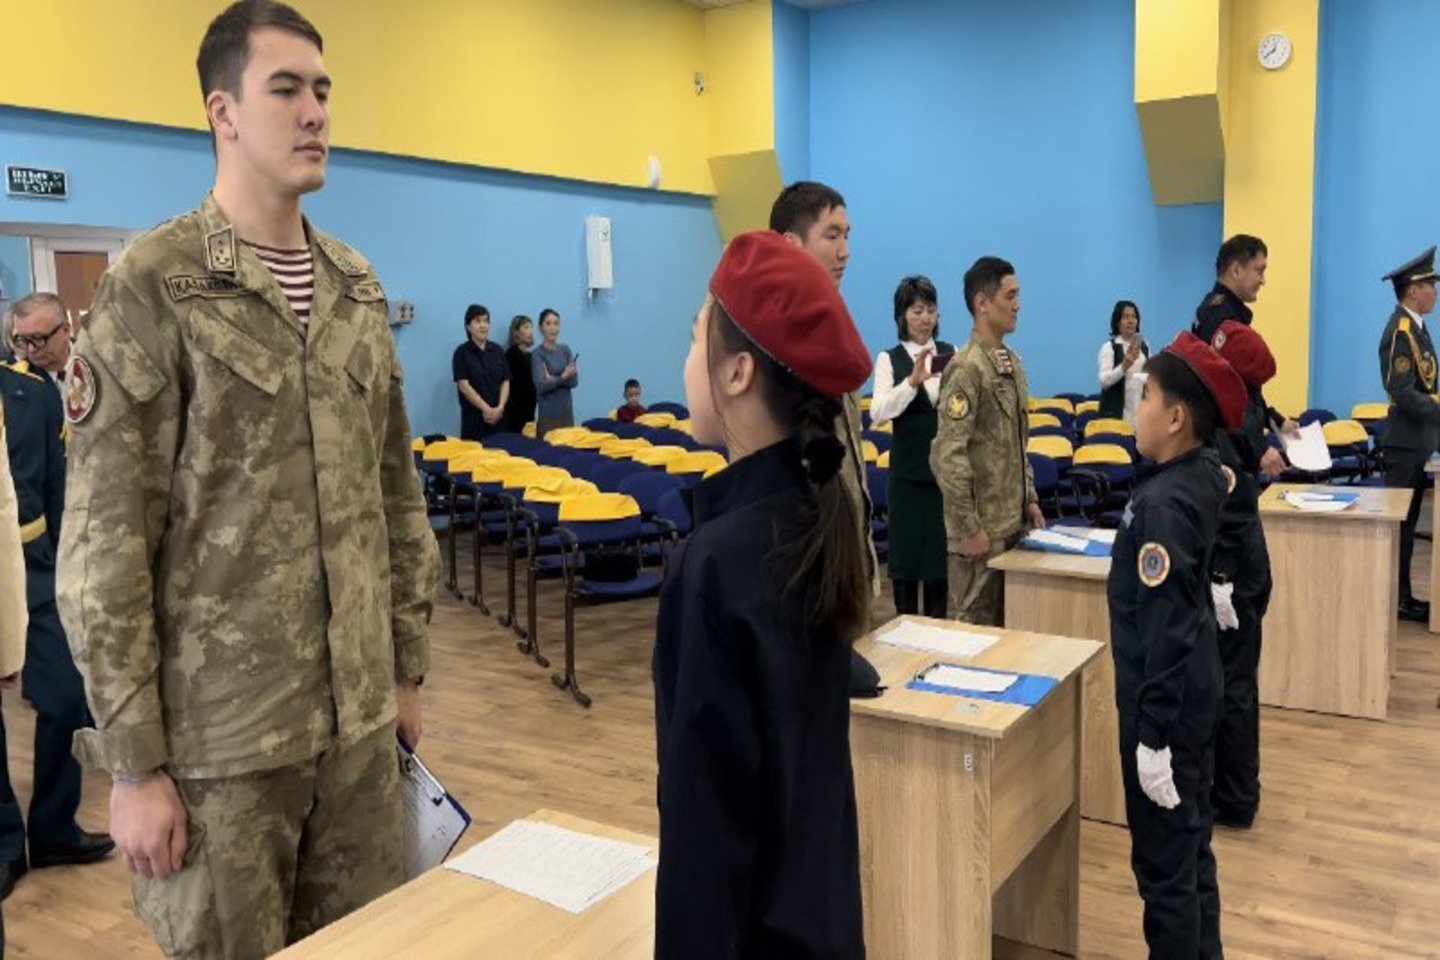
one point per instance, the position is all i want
(43, 250)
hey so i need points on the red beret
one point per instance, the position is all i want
(1246, 351)
(1225, 386)
(788, 305)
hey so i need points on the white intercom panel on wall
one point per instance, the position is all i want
(597, 253)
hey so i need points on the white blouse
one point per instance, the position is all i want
(1111, 373)
(890, 399)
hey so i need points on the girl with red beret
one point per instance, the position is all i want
(759, 845)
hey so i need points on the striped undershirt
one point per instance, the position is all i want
(294, 270)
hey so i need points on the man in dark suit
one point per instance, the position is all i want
(1407, 368)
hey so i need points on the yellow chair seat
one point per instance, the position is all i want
(1370, 411)
(564, 436)
(528, 430)
(869, 451)
(655, 419)
(658, 456)
(1087, 406)
(887, 427)
(1053, 403)
(864, 402)
(1044, 420)
(623, 449)
(559, 489)
(683, 426)
(1101, 453)
(1057, 448)
(1109, 425)
(591, 441)
(883, 461)
(707, 462)
(470, 459)
(1341, 433)
(598, 506)
(496, 471)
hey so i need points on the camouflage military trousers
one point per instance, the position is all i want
(977, 593)
(274, 856)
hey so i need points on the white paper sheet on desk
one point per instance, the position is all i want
(1102, 535)
(963, 678)
(1309, 450)
(1317, 502)
(1062, 540)
(953, 644)
(564, 868)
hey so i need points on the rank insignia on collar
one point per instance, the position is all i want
(81, 390)
(1154, 564)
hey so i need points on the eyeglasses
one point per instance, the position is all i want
(37, 340)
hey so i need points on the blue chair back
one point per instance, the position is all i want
(1316, 415)
(516, 443)
(878, 480)
(599, 424)
(647, 488)
(666, 437)
(1046, 471)
(609, 476)
(594, 533)
(672, 507)
(627, 431)
(882, 441)
(676, 410)
(1048, 431)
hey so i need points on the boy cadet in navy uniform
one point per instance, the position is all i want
(1412, 432)
(1168, 680)
(1241, 560)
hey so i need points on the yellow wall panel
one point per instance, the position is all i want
(1270, 176)
(568, 88)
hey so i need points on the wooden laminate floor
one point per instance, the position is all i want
(1343, 863)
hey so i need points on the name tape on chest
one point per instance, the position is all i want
(184, 287)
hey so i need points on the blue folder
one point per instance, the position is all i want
(1092, 548)
(1027, 690)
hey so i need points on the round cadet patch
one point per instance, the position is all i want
(957, 408)
(81, 390)
(1229, 479)
(1402, 365)
(1154, 563)
(1219, 342)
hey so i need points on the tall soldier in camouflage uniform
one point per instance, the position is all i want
(978, 455)
(246, 568)
(1412, 432)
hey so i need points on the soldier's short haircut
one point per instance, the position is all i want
(984, 276)
(913, 290)
(1180, 384)
(1241, 248)
(23, 308)
(801, 204)
(225, 51)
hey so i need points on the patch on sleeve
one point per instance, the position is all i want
(1154, 563)
(81, 390)
(958, 408)
(1229, 479)
(1219, 342)
(1402, 365)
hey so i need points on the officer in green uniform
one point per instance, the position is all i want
(246, 569)
(978, 455)
(1412, 432)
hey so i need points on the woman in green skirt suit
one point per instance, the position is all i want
(907, 385)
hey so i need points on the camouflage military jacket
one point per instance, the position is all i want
(246, 568)
(978, 455)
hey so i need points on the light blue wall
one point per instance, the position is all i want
(14, 269)
(957, 128)
(1377, 197)
(441, 236)
(791, 29)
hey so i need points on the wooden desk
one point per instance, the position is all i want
(969, 809)
(1329, 635)
(443, 915)
(1063, 594)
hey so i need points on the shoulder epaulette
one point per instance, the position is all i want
(23, 368)
(1404, 326)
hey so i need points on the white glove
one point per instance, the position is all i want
(1221, 594)
(1152, 767)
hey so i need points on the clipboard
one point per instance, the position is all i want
(434, 820)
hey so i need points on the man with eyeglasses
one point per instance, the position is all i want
(35, 442)
(40, 330)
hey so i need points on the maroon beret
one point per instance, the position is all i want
(1220, 379)
(788, 305)
(1245, 350)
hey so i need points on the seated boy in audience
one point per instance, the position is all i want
(632, 407)
(1168, 681)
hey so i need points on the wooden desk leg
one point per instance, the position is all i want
(923, 796)
(1435, 559)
